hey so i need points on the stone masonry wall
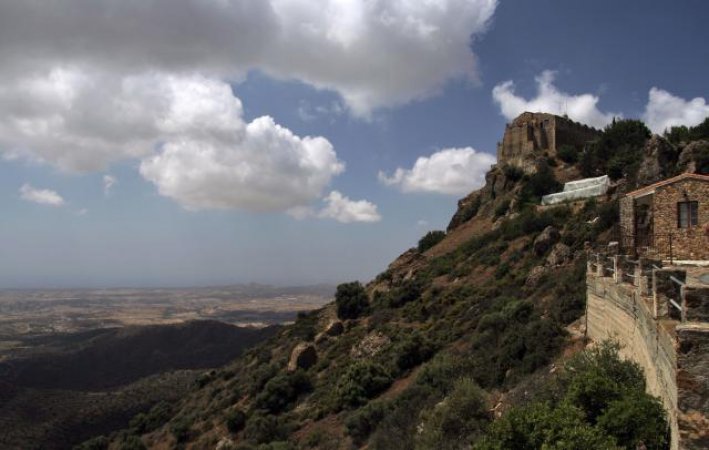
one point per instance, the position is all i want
(531, 134)
(627, 223)
(674, 355)
(614, 311)
(687, 243)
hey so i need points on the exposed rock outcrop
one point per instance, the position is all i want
(370, 345)
(535, 275)
(303, 356)
(225, 443)
(694, 157)
(545, 240)
(560, 254)
(334, 328)
(658, 156)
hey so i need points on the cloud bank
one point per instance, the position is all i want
(40, 196)
(452, 171)
(664, 111)
(375, 53)
(86, 83)
(581, 108)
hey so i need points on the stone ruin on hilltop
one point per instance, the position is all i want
(533, 135)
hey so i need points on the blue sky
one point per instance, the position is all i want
(135, 152)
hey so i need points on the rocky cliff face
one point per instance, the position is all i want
(658, 155)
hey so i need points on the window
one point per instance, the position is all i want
(687, 214)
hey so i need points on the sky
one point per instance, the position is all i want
(290, 142)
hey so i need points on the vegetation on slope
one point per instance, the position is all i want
(459, 342)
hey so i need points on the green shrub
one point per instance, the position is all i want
(397, 430)
(469, 211)
(600, 404)
(512, 173)
(360, 382)
(540, 183)
(97, 443)
(351, 300)
(262, 429)
(541, 426)
(181, 428)
(362, 422)
(260, 376)
(132, 442)
(568, 153)
(235, 420)
(409, 291)
(457, 421)
(634, 419)
(153, 419)
(439, 373)
(430, 239)
(607, 216)
(617, 152)
(282, 390)
(677, 134)
(502, 208)
(412, 351)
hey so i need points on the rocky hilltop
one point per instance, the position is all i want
(463, 341)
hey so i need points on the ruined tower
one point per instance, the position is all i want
(531, 135)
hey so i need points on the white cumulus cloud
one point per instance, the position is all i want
(344, 210)
(40, 196)
(453, 171)
(664, 110)
(581, 107)
(259, 166)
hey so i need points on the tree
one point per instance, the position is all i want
(351, 300)
(617, 152)
(568, 153)
(430, 239)
(457, 421)
(360, 382)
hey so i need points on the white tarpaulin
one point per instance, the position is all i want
(574, 190)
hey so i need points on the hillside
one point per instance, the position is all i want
(471, 338)
(106, 358)
(81, 384)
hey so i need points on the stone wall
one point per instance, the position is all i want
(693, 386)
(627, 224)
(674, 355)
(615, 312)
(687, 243)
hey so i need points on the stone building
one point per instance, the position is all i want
(668, 219)
(531, 135)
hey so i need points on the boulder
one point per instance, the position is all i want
(335, 328)
(370, 345)
(560, 254)
(225, 444)
(545, 240)
(303, 356)
(534, 276)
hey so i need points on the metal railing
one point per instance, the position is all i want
(659, 245)
(628, 270)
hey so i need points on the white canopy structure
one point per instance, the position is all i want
(578, 189)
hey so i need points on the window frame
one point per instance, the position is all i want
(690, 214)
